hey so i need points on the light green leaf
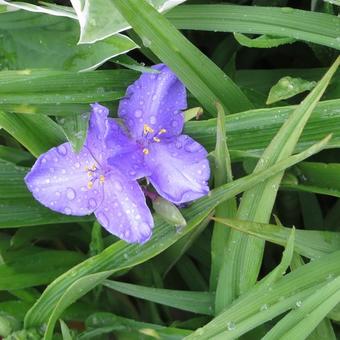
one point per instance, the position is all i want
(75, 129)
(32, 46)
(196, 302)
(319, 28)
(65, 331)
(288, 87)
(264, 41)
(309, 243)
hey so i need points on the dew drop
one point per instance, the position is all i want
(144, 229)
(43, 160)
(62, 150)
(70, 194)
(152, 120)
(68, 211)
(103, 220)
(55, 159)
(118, 186)
(231, 326)
(174, 123)
(138, 113)
(77, 165)
(47, 180)
(57, 193)
(298, 303)
(92, 203)
(192, 147)
(264, 307)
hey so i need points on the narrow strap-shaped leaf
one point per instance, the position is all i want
(319, 28)
(309, 243)
(222, 174)
(246, 252)
(200, 75)
(196, 302)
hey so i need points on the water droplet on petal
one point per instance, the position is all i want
(152, 120)
(127, 234)
(57, 193)
(132, 173)
(92, 203)
(47, 180)
(298, 303)
(138, 113)
(118, 186)
(144, 229)
(192, 147)
(70, 194)
(103, 220)
(68, 211)
(178, 144)
(77, 165)
(174, 123)
(55, 159)
(43, 160)
(62, 150)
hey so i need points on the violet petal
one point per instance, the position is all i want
(155, 99)
(126, 155)
(124, 211)
(180, 169)
(58, 180)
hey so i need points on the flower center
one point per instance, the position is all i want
(147, 130)
(94, 173)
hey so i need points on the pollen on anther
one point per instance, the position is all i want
(161, 131)
(146, 151)
(147, 129)
(156, 139)
(90, 185)
(101, 179)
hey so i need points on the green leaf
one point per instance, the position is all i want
(316, 177)
(35, 132)
(103, 323)
(288, 87)
(257, 203)
(65, 331)
(222, 174)
(319, 28)
(249, 311)
(196, 302)
(53, 92)
(264, 41)
(30, 45)
(250, 132)
(100, 19)
(202, 77)
(299, 323)
(75, 129)
(309, 243)
(39, 267)
(123, 256)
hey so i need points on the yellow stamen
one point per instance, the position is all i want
(86, 168)
(145, 151)
(90, 174)
(156, 139)
(147, 129)
(161, 131)
(101, 179)
(94, 167)
(90, 185)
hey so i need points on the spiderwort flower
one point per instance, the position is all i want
(175, 164)
(83, 183)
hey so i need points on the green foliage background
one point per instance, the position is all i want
(259, 256)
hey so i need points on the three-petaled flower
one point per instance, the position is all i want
(102, 177)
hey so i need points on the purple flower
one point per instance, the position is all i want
(84, 183)
(102, 177)
(175, 164)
